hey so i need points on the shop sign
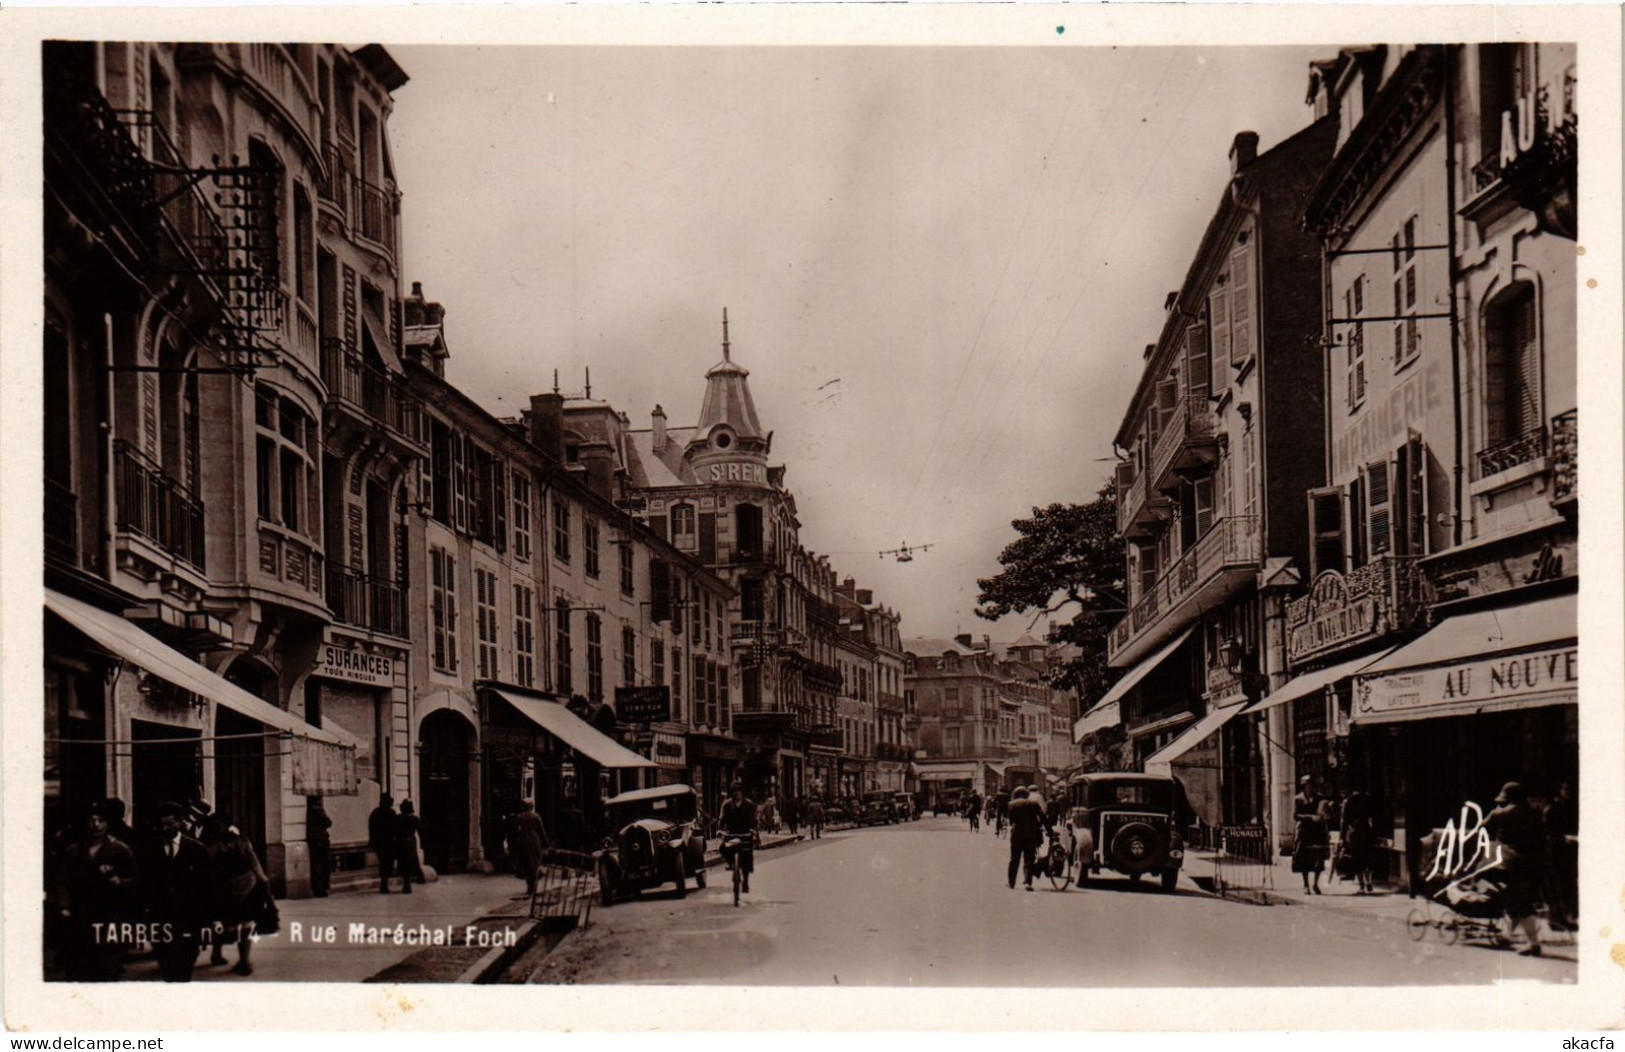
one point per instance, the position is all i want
(668, 750)
(1515, 681)
(1532, 559)
(354, 666)
(714, 749)
(642, 704)
(737, 471)
(1340, 610)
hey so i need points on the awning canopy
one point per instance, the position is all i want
(1487, 632)
(575, 732)
(1497, 660)
(324, 758)
(1161, 761)
(1112, 698)
(1314, 682)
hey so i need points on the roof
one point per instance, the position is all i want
(1026, 640)
(936, 647)
(728, 401)
(649, 471)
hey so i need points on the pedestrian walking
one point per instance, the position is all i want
(1521, 834)
(1357, 843)
(527, 842)
(815, 818)
(408, 831)
(96, 876)
(319, 840)
(1312, 842)
(1001, 804)
(237, 886)
(175, 887)
(381, 838)
(1026, 833)
(1563, 855)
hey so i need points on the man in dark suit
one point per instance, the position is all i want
(1026, 818)
(381, 838)
(175, 883)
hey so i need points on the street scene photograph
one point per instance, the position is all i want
(1052, 516)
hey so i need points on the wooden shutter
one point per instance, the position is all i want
(708, 538)
(659, 590)
(1198, 366)
(1411, 498)
(1241, 305)
(459, 482)
(499, 501)
(1218, 309)
(1325, 530)
(1203, 492)
(1379, 507)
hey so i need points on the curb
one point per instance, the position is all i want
(499, 957)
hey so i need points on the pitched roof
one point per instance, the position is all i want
(928, 647)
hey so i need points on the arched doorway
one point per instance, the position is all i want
(447, 743)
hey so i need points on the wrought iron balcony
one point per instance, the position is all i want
(150, 504)
(767, 634)
(1188, 430)
(335, 189)
(374, 213)
(1215, 565)
(366, 602)
(61, 523)
(354, 383)
(1511, 452)
(1565, 456)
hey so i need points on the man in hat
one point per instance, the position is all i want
(1519, 830)
(174, 880)
(381, 838)
(1026, 817)
(738, 819)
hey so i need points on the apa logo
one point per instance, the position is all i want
(1465, 847)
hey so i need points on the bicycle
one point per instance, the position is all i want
(975, 822)
(741, 848)
(1058, 863)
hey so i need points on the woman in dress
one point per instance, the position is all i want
(1359, 840)
(1311, 845)
(239, 885)
(408, 826)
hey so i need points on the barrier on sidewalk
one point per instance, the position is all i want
(1244, 867)
(566, 885)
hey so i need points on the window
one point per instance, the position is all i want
(748, 530)
(1407, 340)
(521, 516)
(1512, 396)
(705, 618)
(286, 488)
(589, 544)
(1218, 316)
(750, 599)
(563, 682)
(1241, 306)
(485, 623)
(443, 607)
(950, 741)
(950, 699)
(1378, 508)
(1410, 498)
(1354, 307)
(487, 496)
(676, 683)
(595, 658)
(628, 586)
(1198, 367)
(657, 662)
(659, 590)
(561, 530)
(524, 636)
(1326, 530)
(682, 527)
(629, 656)
(304, 263)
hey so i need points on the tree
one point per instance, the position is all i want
(1067, 557)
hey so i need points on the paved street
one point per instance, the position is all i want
(924, 904)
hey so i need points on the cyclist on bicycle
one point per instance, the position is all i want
(738, 819)
(973, 810)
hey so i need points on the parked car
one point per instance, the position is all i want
(876, 809)
(902, 807)
(1130, 823)
(655, 841)
(949, 802)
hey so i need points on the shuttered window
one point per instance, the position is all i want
(1407, 341)
(443, 607)
(1512, 368)
(563, 658)
(1354, 307)
(1326, 530)
(1241, 305)
(524, 636)
(659, 590)
(1218, 309)
(1379, 508)
(1410, 498)
(1198, 366)
(1203, 492)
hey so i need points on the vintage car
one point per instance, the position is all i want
(655, 841)
(949, 802)
(902, 807)
(1130, 823)
(875, 809)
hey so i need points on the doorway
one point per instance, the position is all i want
(447, 749)
(166, 766)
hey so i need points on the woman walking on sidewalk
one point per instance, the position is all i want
(1310, 846)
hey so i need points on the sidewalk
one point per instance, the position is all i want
(294, 954)
(1279, 886)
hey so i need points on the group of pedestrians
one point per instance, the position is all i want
(195, 880)
(393, 837)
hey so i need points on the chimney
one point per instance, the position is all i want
(598, 457)
(963, 639)
(658, 420)
(847, 587)
(1243, 151)
(547, 424)
(865, 597)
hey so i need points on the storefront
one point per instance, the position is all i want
(360, 687)
(1483, 698)
(670, 753)
(713, 764)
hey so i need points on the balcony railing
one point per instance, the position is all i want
(335, 189)
(152, 505)
(1190, 423)
(374, 213)
(1511, 452)
(355, 382)
(1232, 543)
(1131, 496)
(276, 72)
(61, 523)
(827, 737)
(766, 633)
(1565, 456)
(366, 602)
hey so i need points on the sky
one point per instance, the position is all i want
(941, 265)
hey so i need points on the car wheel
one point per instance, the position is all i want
(1136, 849)
(679, 873)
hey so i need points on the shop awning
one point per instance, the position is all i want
(575, 732)
(1161, 761)
(1483, 632)
(1314, 682)
(324, 758)
(1496, 660)
(1109, 707)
